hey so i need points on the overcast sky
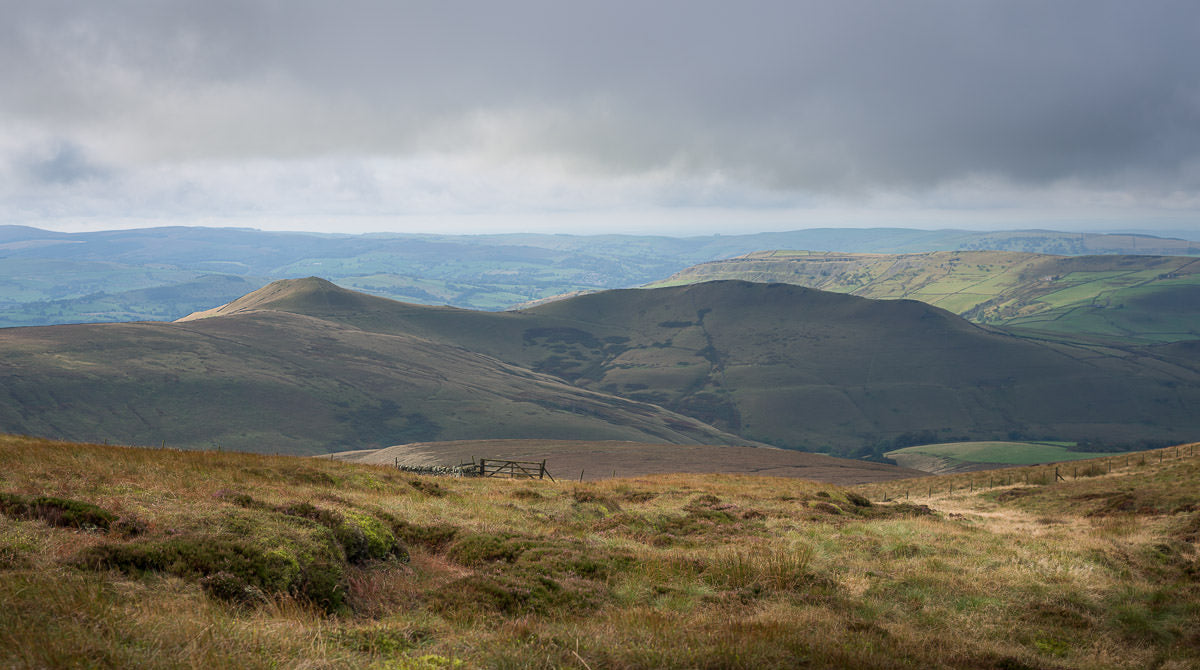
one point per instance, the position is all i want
(565, 116)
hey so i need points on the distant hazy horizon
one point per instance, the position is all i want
(433, 227)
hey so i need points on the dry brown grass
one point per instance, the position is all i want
(684, 571)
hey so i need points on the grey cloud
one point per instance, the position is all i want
(793, 96)
(59, 163)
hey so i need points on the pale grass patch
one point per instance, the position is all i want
(774, 566)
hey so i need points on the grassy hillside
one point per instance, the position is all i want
(273, 381)
(115, 557)
(43, 272)
(303, 366)
(1116, 299)
(802, 368)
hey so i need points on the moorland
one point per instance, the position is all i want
(677, 534)
(159, 558)
(304, 366)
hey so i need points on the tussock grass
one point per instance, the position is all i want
(215, 559)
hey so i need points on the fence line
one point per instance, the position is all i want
(485, 467)
(1029, 475)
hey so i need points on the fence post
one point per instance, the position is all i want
(542, 471)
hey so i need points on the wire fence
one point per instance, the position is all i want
(941, 486)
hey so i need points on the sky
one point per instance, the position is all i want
(665, 117)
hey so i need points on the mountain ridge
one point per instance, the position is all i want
(769, 363)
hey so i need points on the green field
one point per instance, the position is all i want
(954, 455)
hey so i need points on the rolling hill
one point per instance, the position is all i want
(45, 273)
(798, 367)
(1115, 299)
(275, 381)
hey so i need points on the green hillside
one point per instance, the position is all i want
(802, 368)
(1114, 299)
(145, 558)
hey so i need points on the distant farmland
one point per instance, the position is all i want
(963, 456)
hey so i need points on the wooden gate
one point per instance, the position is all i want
(494, 467)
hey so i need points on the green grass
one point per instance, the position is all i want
(668, 571)
(1006, 453)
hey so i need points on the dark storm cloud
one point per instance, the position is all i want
(59, 163)
(799, 97)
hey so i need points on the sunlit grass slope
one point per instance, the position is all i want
(117, 557)
(1112, 298)
(950, 456)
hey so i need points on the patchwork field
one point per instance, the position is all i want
(120, 557)
(164, 273)
(1110, 299)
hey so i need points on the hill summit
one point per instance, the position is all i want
(311, 296)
